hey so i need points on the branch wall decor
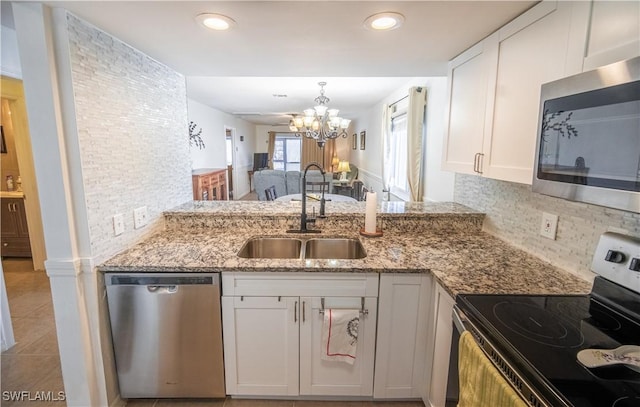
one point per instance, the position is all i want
(194, 137)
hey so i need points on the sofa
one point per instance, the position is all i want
(286, 182)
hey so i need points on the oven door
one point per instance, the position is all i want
(492, 361)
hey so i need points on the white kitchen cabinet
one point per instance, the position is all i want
(261, 345)
(327, 378)
(467, 96)
(403, 320)
(272, 333)
(495, 90)
(439, 348)
(614, 33)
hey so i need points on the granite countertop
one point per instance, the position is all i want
(470, 262)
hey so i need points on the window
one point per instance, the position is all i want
(398, 142)
(286, 153)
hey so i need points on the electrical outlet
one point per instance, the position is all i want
(118, 224)
(140, 217)
(549, 225)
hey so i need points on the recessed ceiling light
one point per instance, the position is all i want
(215, 21)
(388, 20)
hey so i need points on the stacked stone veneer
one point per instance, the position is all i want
(514, 214)
(132, 126)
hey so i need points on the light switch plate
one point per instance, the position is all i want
(118, 224)
(140, 217)
(549, 225)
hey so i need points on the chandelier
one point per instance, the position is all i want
(320, 123)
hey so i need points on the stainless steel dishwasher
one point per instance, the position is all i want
(167, 334)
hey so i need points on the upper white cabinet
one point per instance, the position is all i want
(468, 76)
(614, 33)
(530, 51)
(494, 87)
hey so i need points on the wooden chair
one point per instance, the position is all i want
(357, 190)
(317, 187)
(363, 193)
(271, 193)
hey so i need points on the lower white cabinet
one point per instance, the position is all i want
(436, 373)
(403, 321)
(327, 378)
(260, 345)
(273, 342)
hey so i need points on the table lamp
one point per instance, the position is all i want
(343, 167)
(334, 162)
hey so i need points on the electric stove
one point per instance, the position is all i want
(534, 339)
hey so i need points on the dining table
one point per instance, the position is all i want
(311, 197)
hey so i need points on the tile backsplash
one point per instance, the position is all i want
(514, 214)
(131, 114)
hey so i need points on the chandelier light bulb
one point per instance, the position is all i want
(320, 123)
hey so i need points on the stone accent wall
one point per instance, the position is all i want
(132, 126)
(514, 214)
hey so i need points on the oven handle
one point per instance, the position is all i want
(458, 318)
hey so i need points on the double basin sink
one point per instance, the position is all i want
(298, 248)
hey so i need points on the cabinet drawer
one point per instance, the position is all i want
(300, 284)
(17, 247)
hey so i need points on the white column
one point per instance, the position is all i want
(49, 99)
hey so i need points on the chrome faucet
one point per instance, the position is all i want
(304, 220)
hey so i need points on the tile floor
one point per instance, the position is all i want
(229, 402)
(33, 363)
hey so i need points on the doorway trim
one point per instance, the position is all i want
(13, 91)
(233, 177)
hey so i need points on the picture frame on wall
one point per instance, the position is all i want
(363, 139)
(354, 141)
(3, 148)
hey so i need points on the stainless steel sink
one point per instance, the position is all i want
(334, 249)
(294, 248)
(271, 248)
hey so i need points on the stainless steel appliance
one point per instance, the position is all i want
(588, 146)
(167, 334)
(533, 340)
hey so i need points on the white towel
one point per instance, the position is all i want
(340, 335)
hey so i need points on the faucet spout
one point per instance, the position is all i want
(304, 220)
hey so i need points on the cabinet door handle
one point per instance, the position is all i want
(295, 312)
(9, 207)
(480, 162)
(303, 312)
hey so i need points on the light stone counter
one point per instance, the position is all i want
(443, 239)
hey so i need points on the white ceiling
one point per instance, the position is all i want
(286, 47)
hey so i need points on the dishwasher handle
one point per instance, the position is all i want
(156, 280)
(162, 289)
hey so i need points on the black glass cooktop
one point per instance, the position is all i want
(541, 336)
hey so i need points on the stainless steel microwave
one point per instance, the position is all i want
(588, 147)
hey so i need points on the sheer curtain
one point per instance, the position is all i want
(387, 149)
(271, 148)
(415, 142)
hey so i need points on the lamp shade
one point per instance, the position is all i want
(335, 161)
(343, 166)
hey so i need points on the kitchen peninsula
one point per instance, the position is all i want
(404, 287)
(444, 239)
